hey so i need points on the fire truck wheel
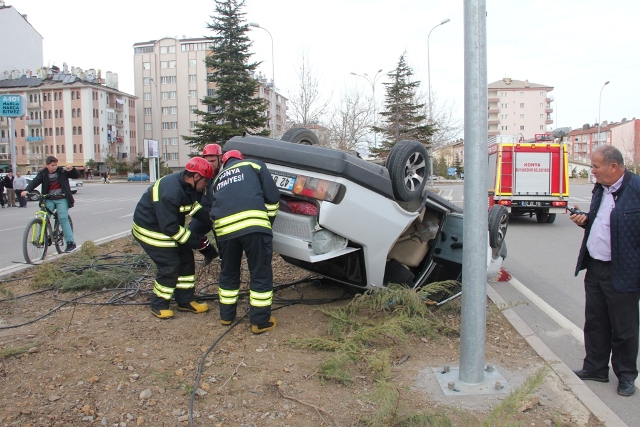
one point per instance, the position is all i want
(498, 222)
(408, 169)
(551, 218)
(542, 217)
(300, 136)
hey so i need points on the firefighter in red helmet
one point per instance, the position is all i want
(159, 227)
(245, 203)
(212, 154)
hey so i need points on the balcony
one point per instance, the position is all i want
(34, 139)
(4, 140)
(33, 104)
(34, 122)
(494, 122)
(548, 122)
(493, 110)
(494, 132)
(5, 157)
(494, 99)
(119, 123)
(4, 123)
(548, 110)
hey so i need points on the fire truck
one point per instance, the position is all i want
(529, 177)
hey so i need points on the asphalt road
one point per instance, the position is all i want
(545, 293)
(101, 211)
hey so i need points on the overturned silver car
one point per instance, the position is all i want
(361, 223)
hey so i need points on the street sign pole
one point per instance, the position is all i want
(12, 106)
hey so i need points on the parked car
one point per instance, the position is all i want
(364, 224)
(138, 177)
(35, 194)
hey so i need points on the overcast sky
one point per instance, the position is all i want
(571, 45)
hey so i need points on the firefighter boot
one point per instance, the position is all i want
(264, 327)
(194, 307)
(162, 313)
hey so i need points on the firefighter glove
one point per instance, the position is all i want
(208, 251)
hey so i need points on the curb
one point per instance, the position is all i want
(588, 398)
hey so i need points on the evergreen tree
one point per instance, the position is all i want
(402, 118)
(234, 107)
(458, 165)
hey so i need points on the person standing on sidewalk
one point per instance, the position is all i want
(8, 185)
(610, 252)
(19, 184)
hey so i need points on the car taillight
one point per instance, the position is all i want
(561, 204)
(319, 189)
(504, 202)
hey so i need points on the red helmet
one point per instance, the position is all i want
(232, 154)
(201, 166)
(212, 150)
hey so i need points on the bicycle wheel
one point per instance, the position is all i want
(35, 242)
(58, 235)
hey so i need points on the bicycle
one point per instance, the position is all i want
(39, 234)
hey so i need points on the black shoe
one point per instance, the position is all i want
(626, 388)
(588, 376)
(71, 246)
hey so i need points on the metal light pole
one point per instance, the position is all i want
(444, 21)
(273, 79)
(599, 103)
(159, 123)
(372, 82)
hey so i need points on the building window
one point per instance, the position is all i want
(174, 110)
(147, 96)
(147, 111)
(147, 81)
(521, 94)
(522, 105)
(75, 130)
(165, 111)
(521, 127)
(165, 95)
(172, 94)
(193, 108)
(79, 130)
(541, 127)
(541, 105)
(73, 112)
(193, 94)
(174, 125)
(56, 114)
(541, 93)
(165, 125)
(164, 64)
(80, 148)
(174, 156)
(522, 116)
(163, 49)
(192, 78)
(146, 65)
(193, 125)
(147, 126)
(73, 95)
(192, 63)
(174, 141)
(78, 113)
(542, 116)
(172, 64)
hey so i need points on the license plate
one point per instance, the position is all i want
(283, 181)
(531, 203)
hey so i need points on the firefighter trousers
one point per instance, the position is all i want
(259, 251)
(176, 275)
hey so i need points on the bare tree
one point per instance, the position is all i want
(350, 122)
(448, 128)
(307, 103)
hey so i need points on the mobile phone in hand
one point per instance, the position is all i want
(576, 211)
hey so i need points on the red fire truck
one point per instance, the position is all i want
(529, 177)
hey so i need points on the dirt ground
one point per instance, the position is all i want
(100, 358)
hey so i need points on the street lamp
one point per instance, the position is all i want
(273, 78)
(599, 103)
(444, 21)
(372, 82)
(159, 124)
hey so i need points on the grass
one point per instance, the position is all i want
(15, 351)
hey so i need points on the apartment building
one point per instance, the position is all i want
(519, 107)
(21, 48)
(73, 114)
(170, 80)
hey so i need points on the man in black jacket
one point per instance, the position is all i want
(610, 252)
(11, 194)
(245, 203)
(55, 185)
(159, 227)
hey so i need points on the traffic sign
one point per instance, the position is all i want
(11, 105)
(451, 171)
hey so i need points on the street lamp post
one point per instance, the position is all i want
(444, 21)
(599, 103)
(159, 124)
(273, 79)
(372, 82)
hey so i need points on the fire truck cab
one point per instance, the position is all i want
(529, 177)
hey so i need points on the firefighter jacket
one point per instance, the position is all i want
(159, 217)
(245, 199)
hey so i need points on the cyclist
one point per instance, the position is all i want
(55, 185)
(159, 227)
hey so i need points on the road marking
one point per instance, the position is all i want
(102, 212)
(548, 310)
(126, 216)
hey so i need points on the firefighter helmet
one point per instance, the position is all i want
(212, 150)
(232, 154)
(201, 166)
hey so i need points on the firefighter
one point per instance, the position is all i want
(211, 153)
(245, 203)
(158, 225)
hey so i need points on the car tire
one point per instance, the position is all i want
(542, 217)
(408, 168)
(551, 218)
(301, 136)
(33, 196)
(498, 222)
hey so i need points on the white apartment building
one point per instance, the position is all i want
(70, 114)
(170, 80)
(519, 107)
(21, 47)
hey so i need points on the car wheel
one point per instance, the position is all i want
(33, 195)
(498, 222)
(74, 191)
(542, 217)
(301, 136)
(409, 169)
(551, 218)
